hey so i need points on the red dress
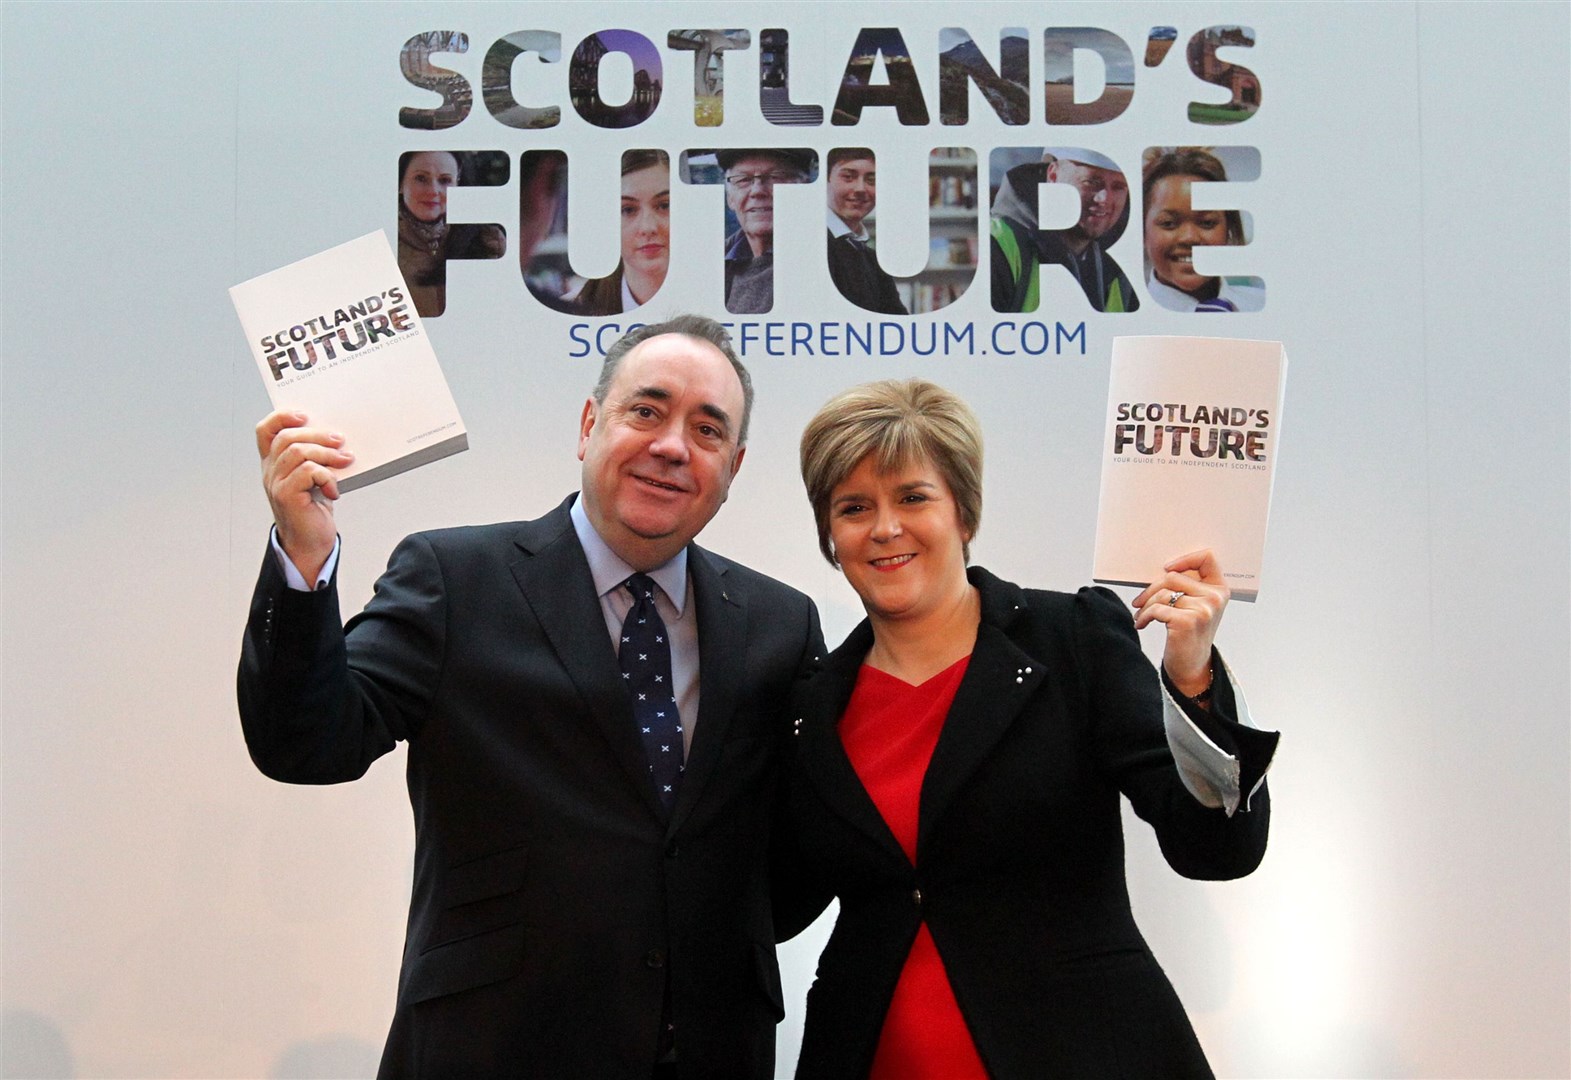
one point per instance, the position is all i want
(889, 731)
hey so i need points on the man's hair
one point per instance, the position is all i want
(896, 423)
(848, 153)
(700, 327)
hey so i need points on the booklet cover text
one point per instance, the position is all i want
(336, 337)
(1189, 457)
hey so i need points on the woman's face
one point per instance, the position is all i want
(646, 223)
(1174, 230)
(898, 538)
(425, 184)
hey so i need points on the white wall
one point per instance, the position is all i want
(169, 912)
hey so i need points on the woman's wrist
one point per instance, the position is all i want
(1196, 689)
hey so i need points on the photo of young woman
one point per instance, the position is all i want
(1174, 229)
(425, 239)
(646, 239)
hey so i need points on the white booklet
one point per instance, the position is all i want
(337, 338)
(1193, 432)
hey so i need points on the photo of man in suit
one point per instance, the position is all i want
(593, 707)
(853, 265)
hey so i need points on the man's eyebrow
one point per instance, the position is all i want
(660, 393)
(717, 413)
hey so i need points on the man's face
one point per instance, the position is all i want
(853, 191)
(750, 193)
(1103, 194)
(660, 451)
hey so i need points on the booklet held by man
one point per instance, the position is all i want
(337, 338)
(1189, 456)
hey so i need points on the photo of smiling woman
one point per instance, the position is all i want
(957, 775)
(1174, 228)
(425, 239)
(646, 239)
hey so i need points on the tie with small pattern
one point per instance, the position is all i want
(645, 657)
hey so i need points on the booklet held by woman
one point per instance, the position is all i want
(336, 337)
(1193, 432)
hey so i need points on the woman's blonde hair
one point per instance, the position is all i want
(899, 423)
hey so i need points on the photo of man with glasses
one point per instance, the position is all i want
(750, 179)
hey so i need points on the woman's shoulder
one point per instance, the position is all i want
(599, 296)
(1245, 293)
(1004, 599)
(476, 241)
(1051, 619)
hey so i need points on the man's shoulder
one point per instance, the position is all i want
(737, 248)
(755, 582)
(497, 534)
(467, 536)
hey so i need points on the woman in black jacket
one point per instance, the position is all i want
(958, 767)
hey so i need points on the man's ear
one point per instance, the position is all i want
(736, 466)
(586, 423)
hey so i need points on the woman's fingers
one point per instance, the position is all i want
(1200, 565)
(1188, 599)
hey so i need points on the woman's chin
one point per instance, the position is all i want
(647, 269)
(1201, 288)
(643, 283)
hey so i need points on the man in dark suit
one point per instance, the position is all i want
(590, 891)
(853, 266)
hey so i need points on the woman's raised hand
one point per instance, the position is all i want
(1189, 598)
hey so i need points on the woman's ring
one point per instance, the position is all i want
(1172, 601)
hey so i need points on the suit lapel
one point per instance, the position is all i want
(555, 580)
(999, 681)
(820, 753)
(722, 657)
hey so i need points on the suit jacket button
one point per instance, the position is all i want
(670, 850)
(916, 897)
(655, 958)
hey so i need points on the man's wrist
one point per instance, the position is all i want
(296, 574)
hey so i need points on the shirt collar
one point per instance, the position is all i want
(609, 570)
(838, 227)
(1169, 297)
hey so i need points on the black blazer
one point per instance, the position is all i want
(552, 901)
(856, 273)
(1020, 860)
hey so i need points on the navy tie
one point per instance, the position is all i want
(645, 657)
